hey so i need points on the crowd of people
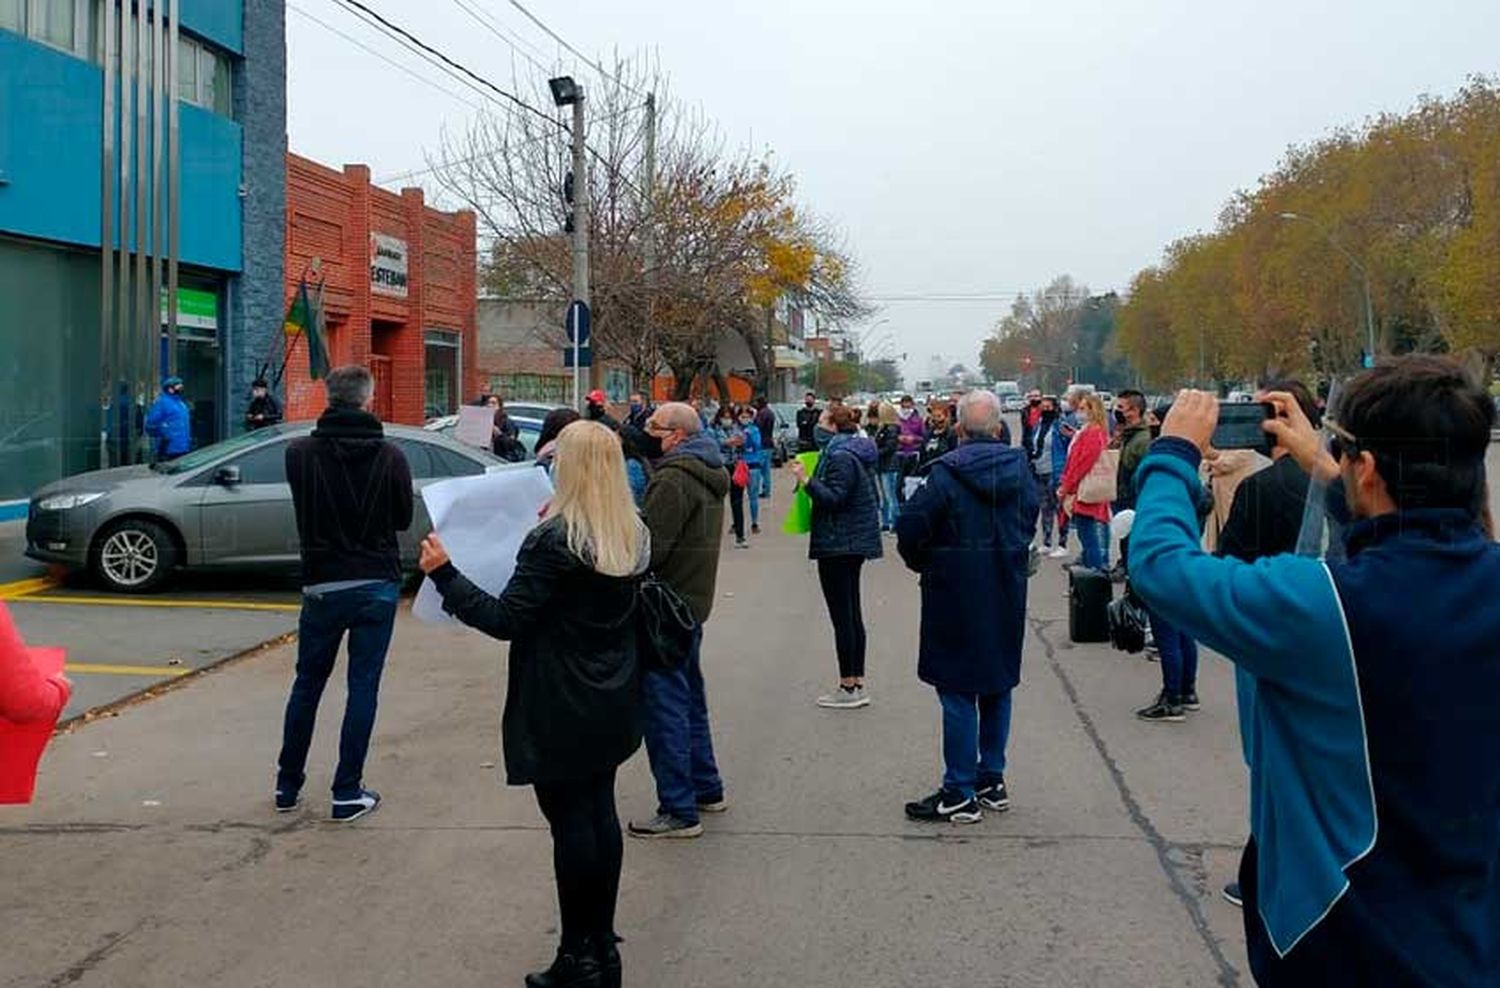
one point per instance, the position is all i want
(1366, 676)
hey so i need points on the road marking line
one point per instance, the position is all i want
(24, 588)
(112, 670)
(219, 605)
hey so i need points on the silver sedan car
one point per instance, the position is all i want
(224, 507)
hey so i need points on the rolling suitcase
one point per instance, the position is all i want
(1089, 594)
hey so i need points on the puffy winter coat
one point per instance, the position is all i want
(845, 500)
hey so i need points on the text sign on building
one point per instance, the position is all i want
(387, 265)
(196, 309)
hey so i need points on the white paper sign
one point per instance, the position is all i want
(476, 425)
(387, 265)
(482, 521)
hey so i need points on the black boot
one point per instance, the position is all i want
(573, 968)
(610, 969)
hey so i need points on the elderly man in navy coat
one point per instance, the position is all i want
(967, 531)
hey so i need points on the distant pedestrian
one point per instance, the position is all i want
(888, 445)
(941, 439)
(573, 705)
(263, 409)
(552, 426)
(755, 456)
(1090, 518)
(640, 411)
(968, 532)
(1046, 464)
(638, 450)
(913, 433)
(352, 494)
(26, 695)
(169, 422)
(685, 512)
(731, 440)
(765, 421)
(870, 419)
(807, 423)
(845, 534)
(596, 409)
(505, 435)
(1031, 417)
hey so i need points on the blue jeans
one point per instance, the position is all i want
(752, 494)
(1179, 657)
(368, 615)
(1046, 498)
(890, 498)
(678, 740)
(764, 473)
(976, 729)
(1093, 536)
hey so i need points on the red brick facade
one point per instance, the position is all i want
(331, 217)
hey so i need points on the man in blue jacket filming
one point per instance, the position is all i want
(1372, 721)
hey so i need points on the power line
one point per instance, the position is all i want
(586, 60)
(384, 58)
(485, 22)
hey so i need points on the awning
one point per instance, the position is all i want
(789, 359)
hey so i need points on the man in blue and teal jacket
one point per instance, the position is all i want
(1373, 709)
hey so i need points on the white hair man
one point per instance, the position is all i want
(967, 531)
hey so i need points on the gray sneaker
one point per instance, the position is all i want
(664, 825)
(845, 699)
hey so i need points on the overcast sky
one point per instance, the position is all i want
(970, 147)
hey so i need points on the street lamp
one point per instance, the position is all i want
(1364, 275)
(565, 92)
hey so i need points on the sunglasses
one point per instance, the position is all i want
(1343, 442)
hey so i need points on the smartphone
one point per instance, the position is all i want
(1240, 426)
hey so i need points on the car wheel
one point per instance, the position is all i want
(135, 556)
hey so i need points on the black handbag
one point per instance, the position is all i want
(1127, 624)
(666, 629)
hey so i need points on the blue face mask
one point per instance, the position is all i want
(635, 406)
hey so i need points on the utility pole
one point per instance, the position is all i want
(580, 232)
(649, 247)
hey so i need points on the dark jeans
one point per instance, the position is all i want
(890, 498)
(367, 614)
(1046, 496)
(587, 850)
(839, 576)
(976, 728)
(736, 505)
(1179, 657)
(678, 740)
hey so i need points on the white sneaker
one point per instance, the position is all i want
(1058, 553)
(843, 699)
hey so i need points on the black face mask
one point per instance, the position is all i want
(648, 445)
(1033, 402)
(1119, 417)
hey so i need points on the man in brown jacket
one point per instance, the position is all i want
(685, 512)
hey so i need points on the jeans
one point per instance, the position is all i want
(839, 576)
(368, 614)
(1179, 657)
(1093, 536)
(587, 850)
(1046, 496)
(679, 743)
(976, 729)
(752, 494)
(764, 473)
(890, 497)
(736, 506)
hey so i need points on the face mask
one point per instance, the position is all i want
(1119, 416)
(635, 406)
(1033, 402)
(650, 446)
(907, 413)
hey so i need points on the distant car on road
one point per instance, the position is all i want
(529, 428)
(225, 507)
(784, 439)
(1013, 403)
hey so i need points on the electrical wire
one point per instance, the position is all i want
(586, 60)
(484, 21)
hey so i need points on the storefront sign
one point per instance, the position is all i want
(196, 309)
(387, 265)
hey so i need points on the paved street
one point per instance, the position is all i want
(151, 857)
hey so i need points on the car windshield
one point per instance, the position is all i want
(208, 454)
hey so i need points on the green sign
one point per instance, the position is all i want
(196, 309)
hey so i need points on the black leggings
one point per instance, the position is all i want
(736, 505)
(839, 576)
(587, 850)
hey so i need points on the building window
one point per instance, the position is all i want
(204, 76)
(617, 385)
(72, 25)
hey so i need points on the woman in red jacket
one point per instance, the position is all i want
(1090, 520)
(26, 696)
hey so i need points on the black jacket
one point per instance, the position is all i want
(352, 493)
(1266, 517)
(888, 444)
(573, 699)
(845, 502)
(807, 423)
(267, 407)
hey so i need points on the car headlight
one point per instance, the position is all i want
(67, 502)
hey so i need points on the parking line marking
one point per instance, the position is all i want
(112, 670)
(220, 605)
(24, 588)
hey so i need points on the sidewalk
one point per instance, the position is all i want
(152, 857)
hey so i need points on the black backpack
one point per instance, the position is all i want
(665, 626)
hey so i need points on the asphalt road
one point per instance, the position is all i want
(152, 857)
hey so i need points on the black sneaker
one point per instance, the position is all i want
(580, 968)
(945, 806)
(993, 796)
(1166, 710)
(610, 966)
(349, 810)
(1190, 700)
(1232, 895)
(286, 802)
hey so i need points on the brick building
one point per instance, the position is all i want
(520, 354)
(399, 291)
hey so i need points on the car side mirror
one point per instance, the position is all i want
(227, 476)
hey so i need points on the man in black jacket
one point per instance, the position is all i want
(807, 423)
(263, 409)
(352, 493)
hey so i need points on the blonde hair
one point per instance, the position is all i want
(888, 414)
(593, 499)
(1095, 407)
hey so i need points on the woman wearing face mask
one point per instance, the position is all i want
(573, 711)
(941, 439)
(754, 455)
(732, 446)
(1091, 520)
(1048, 459)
